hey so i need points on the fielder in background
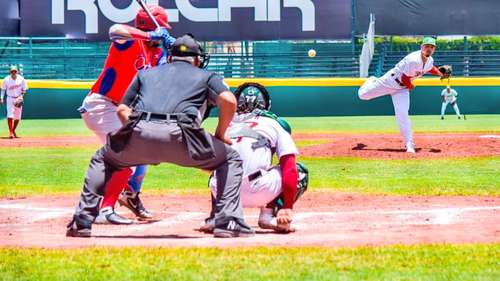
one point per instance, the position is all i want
(131, 50)
(449, 96)
(397, 83)
(15, 87)
(257, 134)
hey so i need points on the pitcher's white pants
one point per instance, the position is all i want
(374, 88)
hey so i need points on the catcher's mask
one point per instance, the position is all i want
(252, 96)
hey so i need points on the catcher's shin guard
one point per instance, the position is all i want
(302, 184)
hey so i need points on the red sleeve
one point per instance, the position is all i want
(406, 80)
(289, 177)
(435, 71)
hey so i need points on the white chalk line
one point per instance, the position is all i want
(440, 215)
(490, 136)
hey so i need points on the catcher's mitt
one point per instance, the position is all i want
(19, 102)
(446, 70)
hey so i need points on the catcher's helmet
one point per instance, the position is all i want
(252, 96)
(143, 22)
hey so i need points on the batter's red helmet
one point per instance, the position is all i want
(143, 22)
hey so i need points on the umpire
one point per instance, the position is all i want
(162, 112)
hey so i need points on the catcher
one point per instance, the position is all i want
(397, 83)
(14, 86)
(257, 134)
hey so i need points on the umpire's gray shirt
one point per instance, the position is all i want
(178, 87)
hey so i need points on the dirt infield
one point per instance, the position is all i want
(322, 219)
(388, 146)
(391, 146)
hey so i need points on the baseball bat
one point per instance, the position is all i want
(148, 12)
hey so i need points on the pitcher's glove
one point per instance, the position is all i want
(19, 101)
(446, 71)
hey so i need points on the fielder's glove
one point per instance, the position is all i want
(19, 102)
(445, 70)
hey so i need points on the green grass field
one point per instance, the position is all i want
(41, 171)
(433, 262)
(365, 124)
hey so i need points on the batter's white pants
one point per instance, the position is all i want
(99, 115)
(259, 192)
(455, 107)
(374, 88)
(13, 112)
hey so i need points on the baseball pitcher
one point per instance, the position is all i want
(397, 83)
(449, 96)
(257, 135)
(14, 87)
(132, 49)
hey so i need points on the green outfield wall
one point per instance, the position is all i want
(294, 97)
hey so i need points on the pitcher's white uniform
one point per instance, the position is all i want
(267, 187)
(14, 89)
(411, 66)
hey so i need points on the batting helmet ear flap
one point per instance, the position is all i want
(243, 106)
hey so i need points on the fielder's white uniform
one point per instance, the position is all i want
(411, 66)
(264, 189)
(14, 89)
(450, 97)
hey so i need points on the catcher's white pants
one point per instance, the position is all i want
(374, 88)
(100, 116)
(259, 192)
(455, 107)
(13, 111)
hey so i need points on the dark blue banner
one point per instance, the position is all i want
(228, 20)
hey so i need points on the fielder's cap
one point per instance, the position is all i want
(186, 46)
(429, 41)
(13, 68)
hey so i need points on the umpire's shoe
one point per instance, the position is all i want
(108, 216)
(233, 228)
(79, 228)
(132, 201)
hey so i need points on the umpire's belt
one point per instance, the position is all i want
(149, 116)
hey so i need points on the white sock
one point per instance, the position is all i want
(457, 111)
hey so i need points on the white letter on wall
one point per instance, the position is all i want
(196, 14)
(89, 10)
(308, 12)
(225, 7)
(57, 11)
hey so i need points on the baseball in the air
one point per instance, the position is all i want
(311, 53)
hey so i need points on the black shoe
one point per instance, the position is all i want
(132, 202)
(459, 117)
(442, 117)
(233, 229)
(108, 216)
(76, 230)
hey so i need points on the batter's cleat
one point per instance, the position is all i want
(233, 228)
(410, 147)
(108, 216)
(208, 225)
(12, 136)
(131, 201)
(76, 230)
